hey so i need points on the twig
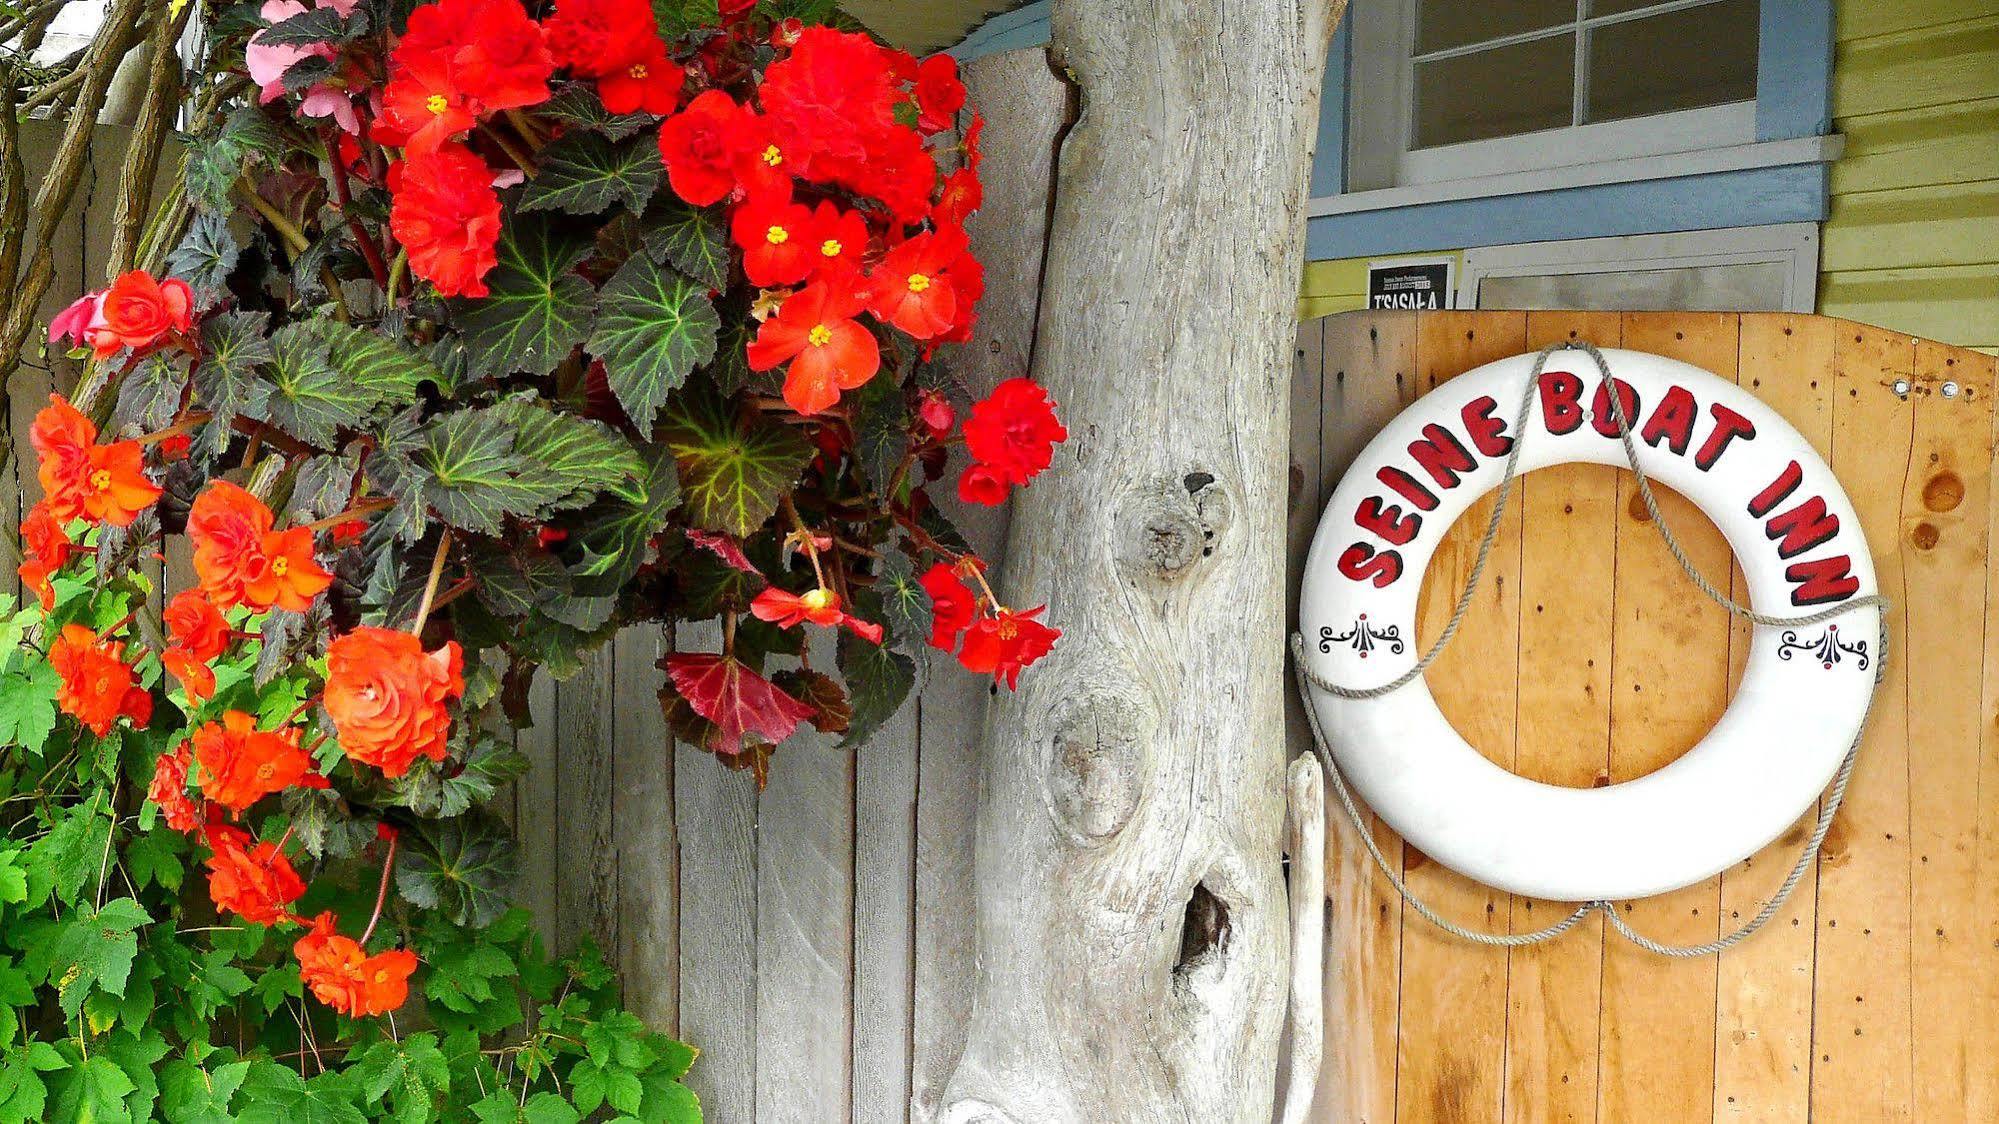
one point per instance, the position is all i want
(430, 586)
(382, 890)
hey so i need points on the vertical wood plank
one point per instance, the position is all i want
(1567, 582)
(805, 911)
(1451, 1063)
(884, 919)
(717, 813)
(1368, 374)
(1861, 1063)
(1944, 544)
(535, 813)
(646, 839)
(1669, 683)
(1982, 1101)
(1763, 989)
(586, 887)
(1026, 108)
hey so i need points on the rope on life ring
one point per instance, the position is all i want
(1829, 803)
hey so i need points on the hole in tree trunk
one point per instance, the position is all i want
(1204, 933)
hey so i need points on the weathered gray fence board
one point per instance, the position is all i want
(648, 948)
(884, 919)
(805, 916)
(717, 813)
(535, 809)
(586, 887)
(1025, 107)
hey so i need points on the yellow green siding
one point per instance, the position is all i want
(1340, 285)
(1912, 242)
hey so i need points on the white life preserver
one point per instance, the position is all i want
(1802, 698)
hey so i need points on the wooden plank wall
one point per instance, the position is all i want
(1875, 994)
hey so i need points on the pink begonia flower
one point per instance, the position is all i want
(75, 322)
(268, 64)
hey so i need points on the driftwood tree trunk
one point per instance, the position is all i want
(1132, 921)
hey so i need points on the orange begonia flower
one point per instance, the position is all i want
(169, 790)
(62, 438)
(345, 979)
(238, 764)
(115, 489)
(255, 883)
(96, 686)
(387, 697)
(227, 526)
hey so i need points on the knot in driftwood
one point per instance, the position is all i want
(1165, 527)
(1098, 761)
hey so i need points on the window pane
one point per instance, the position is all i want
(1618, 7)
(1496, 93)
(1746, 287)
(1680, 60)
(1441, 24)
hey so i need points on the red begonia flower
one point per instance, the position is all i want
(776, 236)
(256, 883)
(593, 38)
(952, 605)
(819, 606)
(839, 239)
(447, 215)
(912, 288)
(829, 351)
(94, 684)
(138, 311)
(698, 146)
(1014, 430)
(939, 93)
(169, 790)
(979, 484)
(237, 764)
(1003, 644)
(649, 83)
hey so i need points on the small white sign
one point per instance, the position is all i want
(1418, 283)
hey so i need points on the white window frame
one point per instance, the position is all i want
(1795, 245)
(1380, 153)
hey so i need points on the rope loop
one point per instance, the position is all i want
(1828, 804)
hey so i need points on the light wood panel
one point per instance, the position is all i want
(1874, 994)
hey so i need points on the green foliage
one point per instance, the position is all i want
(585, 173)
(654, 328)
(733, 471)
(126, 998)
(539, 309)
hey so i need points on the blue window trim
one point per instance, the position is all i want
(1793, 99)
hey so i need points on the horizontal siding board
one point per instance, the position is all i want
(1933, 66)
(1950, 224)
(1957, 303)
(1861, 19)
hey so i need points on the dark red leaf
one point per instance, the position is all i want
(736, 699)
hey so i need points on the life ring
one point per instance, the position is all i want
(1803, 695)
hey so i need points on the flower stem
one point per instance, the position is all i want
(364, 507)
(295, 239)
(381, 891)
(430, 586)
(187, 422)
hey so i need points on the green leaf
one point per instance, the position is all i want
(275, 1094)
(95, 952)
(539, 308)
(906, 605)
(579, 105)
(654, 328)
(93, 1091)
(215, 162)
(13, 878)
(616, 534)
(149, 394)
(206, 256)
(28, 706)
(234, 346)
(878, 680)
(463, 868)
(491, 764)
(571, 458)
(584, 173)
(312, 400)
(387, 370)
(320, 25)
(732, 471)
(190, 1094)
(70, 854)
(469, 471)
(693, 239)
(413, 1075)
(881, 432)
(152, 858)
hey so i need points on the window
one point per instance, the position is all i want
(1445, 89)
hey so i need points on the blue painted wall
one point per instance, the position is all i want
(1793, 99)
